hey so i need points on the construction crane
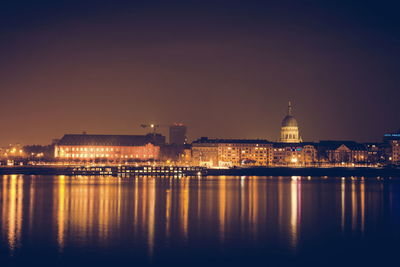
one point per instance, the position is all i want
(152, 126)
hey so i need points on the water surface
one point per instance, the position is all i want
(262, 221)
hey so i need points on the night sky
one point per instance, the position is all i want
(224, 68)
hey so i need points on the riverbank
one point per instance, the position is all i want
(286, 171)
(195, 171)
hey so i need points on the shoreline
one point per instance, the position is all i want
(198, 171)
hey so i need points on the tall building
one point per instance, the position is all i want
(177, 134)
(290, 128)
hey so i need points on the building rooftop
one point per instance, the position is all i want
(203, 140)
(302, 144)
(332, 145)
(110, 140)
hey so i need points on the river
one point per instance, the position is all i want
(214, 221)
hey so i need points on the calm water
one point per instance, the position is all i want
(263, 221)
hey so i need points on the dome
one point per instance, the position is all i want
(289, 121)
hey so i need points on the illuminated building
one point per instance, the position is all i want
(393, 142)
(231, 152)
(289, 128)
(391, 137)
(177, 134)
(395, 151)
(295, 154)
(109, 147)
(12, 151)
(176, 153)
(377, 152)
(343, 151)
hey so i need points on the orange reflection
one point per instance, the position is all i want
(254, 200)
(61, 213)
(168, 212)
(12, 196)
(343, 204)
(353, 206)
(295, 198)
(151, 215)
(222, 206)
(184, 206)
(105, 208)
(362, 204)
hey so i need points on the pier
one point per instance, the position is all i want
(123, 170)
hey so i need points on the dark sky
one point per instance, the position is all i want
(224, 68)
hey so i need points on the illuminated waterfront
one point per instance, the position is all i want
(61, 220)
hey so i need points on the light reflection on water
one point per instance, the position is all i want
(159, 214)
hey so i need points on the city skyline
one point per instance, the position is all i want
(224, 70)
(165, 131)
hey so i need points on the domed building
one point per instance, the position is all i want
(290, 128)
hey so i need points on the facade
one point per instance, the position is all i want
(289, 128)
(393, 142)
(205, 153)
(395, 152)
(231, 152)
(377, 152)
(294, 154)
(12, 151)
(177, 134)
(109, 147)
(172, 154)
(343, 152)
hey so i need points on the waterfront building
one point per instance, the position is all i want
(343, 152)
(294, 154)
(377, 152)
(395, 152)
(177, 134)
(289, 128)
(172, 153)
(393, 142)
(109, 147)
(12, 151)
(185, 157)
(231, 152)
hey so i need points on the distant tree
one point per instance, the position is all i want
(39, 152)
